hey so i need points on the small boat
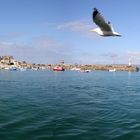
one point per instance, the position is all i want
(12, 68)
(35, 68)
(112, 70)
(6, 68)
(85, 71)
(75, 69)
(58, 68)
(23, 69)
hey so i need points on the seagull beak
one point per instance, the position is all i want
(119, 35)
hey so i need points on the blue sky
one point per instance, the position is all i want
(48, 31)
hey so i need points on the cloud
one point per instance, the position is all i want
(80, 26)
(134, 54)
(52, 50)
(75, 25)
(41, 50)
(110, 55)
(11, 35)
(10, 48)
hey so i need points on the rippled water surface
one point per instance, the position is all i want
(46, 105)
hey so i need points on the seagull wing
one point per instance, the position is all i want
(100, 21)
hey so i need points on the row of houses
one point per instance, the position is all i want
(7, 60)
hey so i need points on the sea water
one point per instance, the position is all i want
(47, 105)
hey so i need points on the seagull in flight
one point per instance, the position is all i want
(105, 28)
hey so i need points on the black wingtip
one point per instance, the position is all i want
(95, 9)
(95, 12)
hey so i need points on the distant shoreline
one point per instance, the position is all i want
(8, 62)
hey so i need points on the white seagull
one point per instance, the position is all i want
(105, 29)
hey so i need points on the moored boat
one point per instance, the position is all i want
(58, 68)
(12, 68)
(85, 71)
(112, 70)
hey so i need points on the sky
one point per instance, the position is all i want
(49, 31)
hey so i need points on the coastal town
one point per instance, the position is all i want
(9, 63)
